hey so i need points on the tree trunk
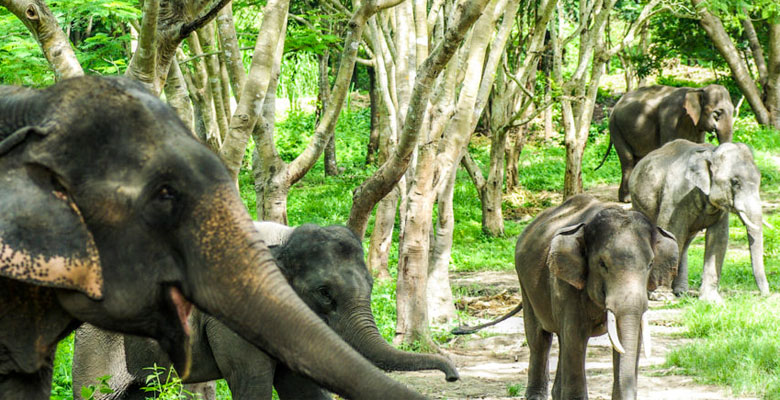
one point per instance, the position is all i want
(208, 43)
(323, 95)
(176, 94)
(714, 28)
(228, 40)
(373, 137)
(441, 306)
(382, 235)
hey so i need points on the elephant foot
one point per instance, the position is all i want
(680, 291)
(661, 294)
(536, 394)
(625, 199)
(712, 296)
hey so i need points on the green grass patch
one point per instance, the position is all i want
(739, 345)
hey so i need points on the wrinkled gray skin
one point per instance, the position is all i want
(112, 213)
(649, 117)
(325, 267)
(685, 187)
(576, 263)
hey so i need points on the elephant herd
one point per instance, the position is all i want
(117, 223)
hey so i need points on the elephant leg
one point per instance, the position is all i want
(571, 361)
(36, 386)
(556, 392)
(715, 244)
(292, 386)
(539, 342)
(680, 283)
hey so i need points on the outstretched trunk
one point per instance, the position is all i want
(625, 366)
(253, 277)
(359, 330)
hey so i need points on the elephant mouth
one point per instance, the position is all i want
(183, 309)
(177, 342)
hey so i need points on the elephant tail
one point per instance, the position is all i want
(609, 147)
(465, 330)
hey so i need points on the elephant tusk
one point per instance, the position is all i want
(747, 222)
(612, 332)
(646, 335)
(768, 225)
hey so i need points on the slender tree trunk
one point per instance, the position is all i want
(221, 110)
(373, 137)
(755, 48)
(323, 95)
(176, 94)
(441, 306)
(228, 41)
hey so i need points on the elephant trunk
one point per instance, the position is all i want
(625, 365)
(750, 214)
(359, 330)
(243, 287)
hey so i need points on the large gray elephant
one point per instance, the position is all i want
(685, 187)
(647, 118)
(112, 213)
(584, 269)
(325, 267)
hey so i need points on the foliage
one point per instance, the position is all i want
(165, 384)
(102, 387)
(98, 32)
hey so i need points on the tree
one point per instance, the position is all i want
(764, 95)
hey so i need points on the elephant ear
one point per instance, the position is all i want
(664, 267)
(566, 258)
(698, 170)
(43, 237)
(693, 105)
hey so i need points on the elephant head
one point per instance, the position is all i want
(711, 110)
(326, 268)
(616, 257)
(108, 198)
(727, 175)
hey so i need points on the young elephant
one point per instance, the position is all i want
(646, 118)
(324, 266)
(585, 268)
(686, 187)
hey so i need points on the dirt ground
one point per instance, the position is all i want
(492, 361)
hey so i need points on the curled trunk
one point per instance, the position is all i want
(359, 330)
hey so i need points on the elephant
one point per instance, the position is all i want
(113, 213)
(647, 118)
(326, 268)
(685, 187)
(584, 269)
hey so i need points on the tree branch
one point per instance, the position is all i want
(202, 20)
(43, 25)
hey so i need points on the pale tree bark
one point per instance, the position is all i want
(384, 219)
(767, 111)
(249, 108)
(177, 96)
(437, 157)
(165, 23)
(228, 41)
(214, 73)
(43, 25)
(197, 82)
(383, 180)
(580, 90)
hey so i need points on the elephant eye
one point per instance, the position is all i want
(603, 265)
(716, 114)
(325, 293)
(735, 182)
(165, 193)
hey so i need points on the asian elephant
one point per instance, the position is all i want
(584, 269)
(685, 187)
(112, 213)
(647, 118)
(325, 267)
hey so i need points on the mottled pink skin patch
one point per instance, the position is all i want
(82, 274)
(183, 309)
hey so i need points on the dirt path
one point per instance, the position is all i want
(497, 359)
